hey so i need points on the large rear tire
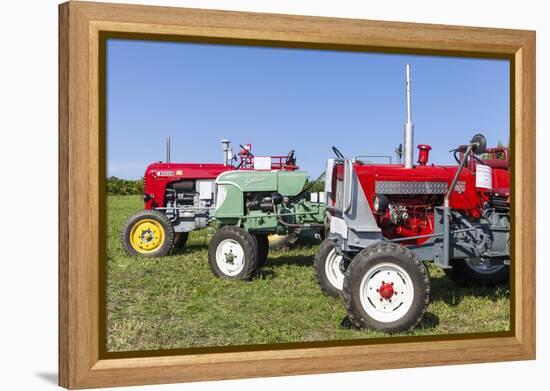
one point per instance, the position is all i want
(328, 269)
(262, 243)
(386, 287)
(147, 233)
(478, 273)
(180, 239)
(233, 253)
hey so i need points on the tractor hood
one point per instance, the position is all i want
(287, 183)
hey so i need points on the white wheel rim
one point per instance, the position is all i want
(379, 301)
(482, 266)
(332, 270)
(230, 257)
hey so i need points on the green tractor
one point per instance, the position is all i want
(250, 206)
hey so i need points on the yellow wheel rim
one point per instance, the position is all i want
(147, 236)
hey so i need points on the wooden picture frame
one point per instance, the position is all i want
(83, 364)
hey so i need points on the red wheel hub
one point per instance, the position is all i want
(386, 291)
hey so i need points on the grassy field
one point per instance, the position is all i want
(176, 302)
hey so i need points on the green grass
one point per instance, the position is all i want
(176, 302)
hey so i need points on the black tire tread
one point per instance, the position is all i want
(319, 266)
(250, 268)
(147, 213)
(462, 275)
(262, 243)
(378, 249)
(180, 239)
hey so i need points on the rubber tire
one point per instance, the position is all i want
(153, 215)
(180, 239)
(319, 262)
(464, 276)
(248, 244)
(383, 253)
(262, 243)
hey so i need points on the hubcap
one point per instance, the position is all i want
(333, 271)
(147, 236)
(386, 292)
(230, 257)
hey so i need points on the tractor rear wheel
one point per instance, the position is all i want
(328, 269)
(233, 253)
(180, 239)
(262, 243)
(478, 272)
(386, 287)
(147, 233)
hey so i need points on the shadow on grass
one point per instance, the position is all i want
(48, 377)
(429, 321)
(190, 248)
(445, 290)
(298, 260)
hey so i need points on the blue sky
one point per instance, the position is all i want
(282, 99)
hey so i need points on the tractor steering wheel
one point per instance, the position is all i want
(337, 152)
(246, 150)
(472, 155)
(290, 158)
(248, 153)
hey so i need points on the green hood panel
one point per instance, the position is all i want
(288, 183)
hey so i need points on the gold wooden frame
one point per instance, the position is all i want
(81, 364)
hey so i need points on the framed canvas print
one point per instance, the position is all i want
(246, 195)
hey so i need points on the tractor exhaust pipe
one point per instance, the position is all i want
(168, 150)
(408, 139)
(225, 147)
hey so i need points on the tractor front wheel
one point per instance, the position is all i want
(329, 270)
(233, 253)
(147, 233)
(478, 272)
(386, 287)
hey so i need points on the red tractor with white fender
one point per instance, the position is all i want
(386, 220)
(180, 198)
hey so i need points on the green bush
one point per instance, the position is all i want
(117, 186)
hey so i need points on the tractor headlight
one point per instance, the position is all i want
(380, 203)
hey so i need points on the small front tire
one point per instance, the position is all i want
(232, 254)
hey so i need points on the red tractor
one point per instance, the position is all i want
(180, 197)
(387, 219)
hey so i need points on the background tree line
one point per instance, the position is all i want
(117, 186)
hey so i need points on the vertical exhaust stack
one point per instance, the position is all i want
(168, 150)
(408, 140)
(225, 147)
